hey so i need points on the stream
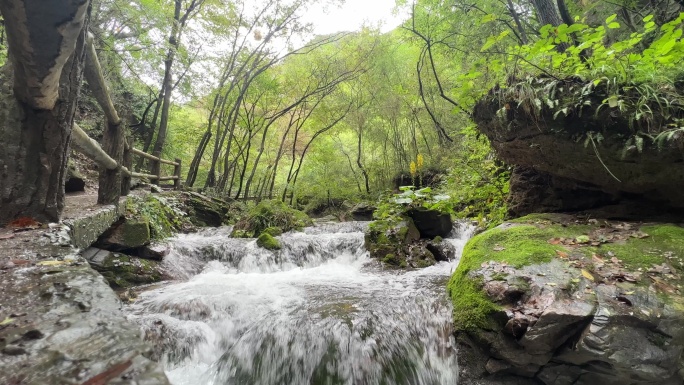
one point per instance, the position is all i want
(317, 312)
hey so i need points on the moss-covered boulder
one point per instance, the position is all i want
(267, 241)
(565, 300)
(126, 234)
(399, 244)
(123, 271)
(270, 214)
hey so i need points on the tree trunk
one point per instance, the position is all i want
(166, 102)
(46, 48)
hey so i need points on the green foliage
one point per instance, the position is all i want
(397, 205)
(478, 183)
(636, 77)
(270, 214)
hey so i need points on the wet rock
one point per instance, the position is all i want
(204, 211)
(495, 366)
(559, 323)
(362, 212)
(431, 223)
(155, 252)
(14, 350)
(443, 251)
(125, 235)
(122, 271)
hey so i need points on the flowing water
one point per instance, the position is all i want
(318, 312)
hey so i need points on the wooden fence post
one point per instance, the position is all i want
(156, 170)
(128, 163)
(177, 174)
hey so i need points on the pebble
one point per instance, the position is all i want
(13, 350)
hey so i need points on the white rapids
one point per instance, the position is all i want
(317, 312)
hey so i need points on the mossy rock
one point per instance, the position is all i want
(128, 234)
(398, 244)
(542, 238)
(268, 242)
(273, 213)
(123, 271)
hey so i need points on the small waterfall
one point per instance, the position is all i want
(319, 311)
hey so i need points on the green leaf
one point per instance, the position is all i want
(611, 18)
(648, 18)
(614, 25)
(488, 18)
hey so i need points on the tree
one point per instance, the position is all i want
(39, 89)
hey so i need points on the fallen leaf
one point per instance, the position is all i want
(499, 248)
(24, 224)
(6, 321)
(109, 374)
(624, 300)
(582, 239)
(552, 284)
(575, 280)
(615, 260)
(646, 312)
(639, 234)
(562, 254)
(588, 275)
(597, 259)
(51, 263)
(629, 292)
(555, 241)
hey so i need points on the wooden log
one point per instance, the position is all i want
(97, 83)
(91, 148)
(177, 174)
(152, 157)
(127, 163)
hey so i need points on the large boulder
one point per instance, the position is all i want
(362, 212)
(577, 156)
(564, 301)
(431, 223)
(123, 271)
(126, 235)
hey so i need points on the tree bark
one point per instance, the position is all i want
(109, 187)
(46, 49)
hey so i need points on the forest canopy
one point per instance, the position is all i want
(256, 105)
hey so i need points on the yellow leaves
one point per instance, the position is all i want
(417, 166)
(51, 263)
(587, 275)
(6, 321)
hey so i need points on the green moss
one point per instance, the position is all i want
(136, 233)
(273, 231)
(161, 212)
(267, 241)
(122, 271)
(663, 241)
(273, 213)
(437, 239)
(517, 245)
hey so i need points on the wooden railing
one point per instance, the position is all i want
(176, 177)
(115, 155)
